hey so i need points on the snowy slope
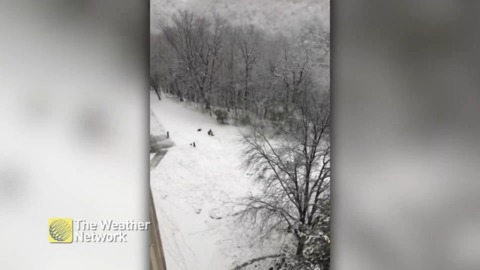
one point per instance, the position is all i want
(194, 188)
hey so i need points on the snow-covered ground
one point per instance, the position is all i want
(194, 191)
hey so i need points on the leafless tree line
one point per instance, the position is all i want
(240, 69)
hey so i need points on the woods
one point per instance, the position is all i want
(241, 69)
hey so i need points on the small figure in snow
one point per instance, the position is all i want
(210, 133)
(168, 134)
(199, 129)
(194, 144)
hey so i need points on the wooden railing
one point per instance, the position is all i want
(157, 256)
(159, 143)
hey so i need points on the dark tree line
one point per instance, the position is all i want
(240, 69)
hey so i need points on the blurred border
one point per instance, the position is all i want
(74, 104)
(406, 105)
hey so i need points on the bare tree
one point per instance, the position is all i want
(154, 84)
(154, 65)
(293, 71)
(293, 171)
(197, 43)
(248, 45)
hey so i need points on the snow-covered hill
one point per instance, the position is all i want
(272, 16)
(193, 190)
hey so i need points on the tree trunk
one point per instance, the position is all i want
(156, 91)
(245, 91)
(300, 245)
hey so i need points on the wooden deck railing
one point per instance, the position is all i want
(157, 256)
(158, 144)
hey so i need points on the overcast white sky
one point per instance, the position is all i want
(271, 15)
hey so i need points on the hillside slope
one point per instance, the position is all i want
(194, 190)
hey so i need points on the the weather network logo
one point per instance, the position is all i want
(60, 230)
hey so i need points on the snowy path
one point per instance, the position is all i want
(192, 188)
